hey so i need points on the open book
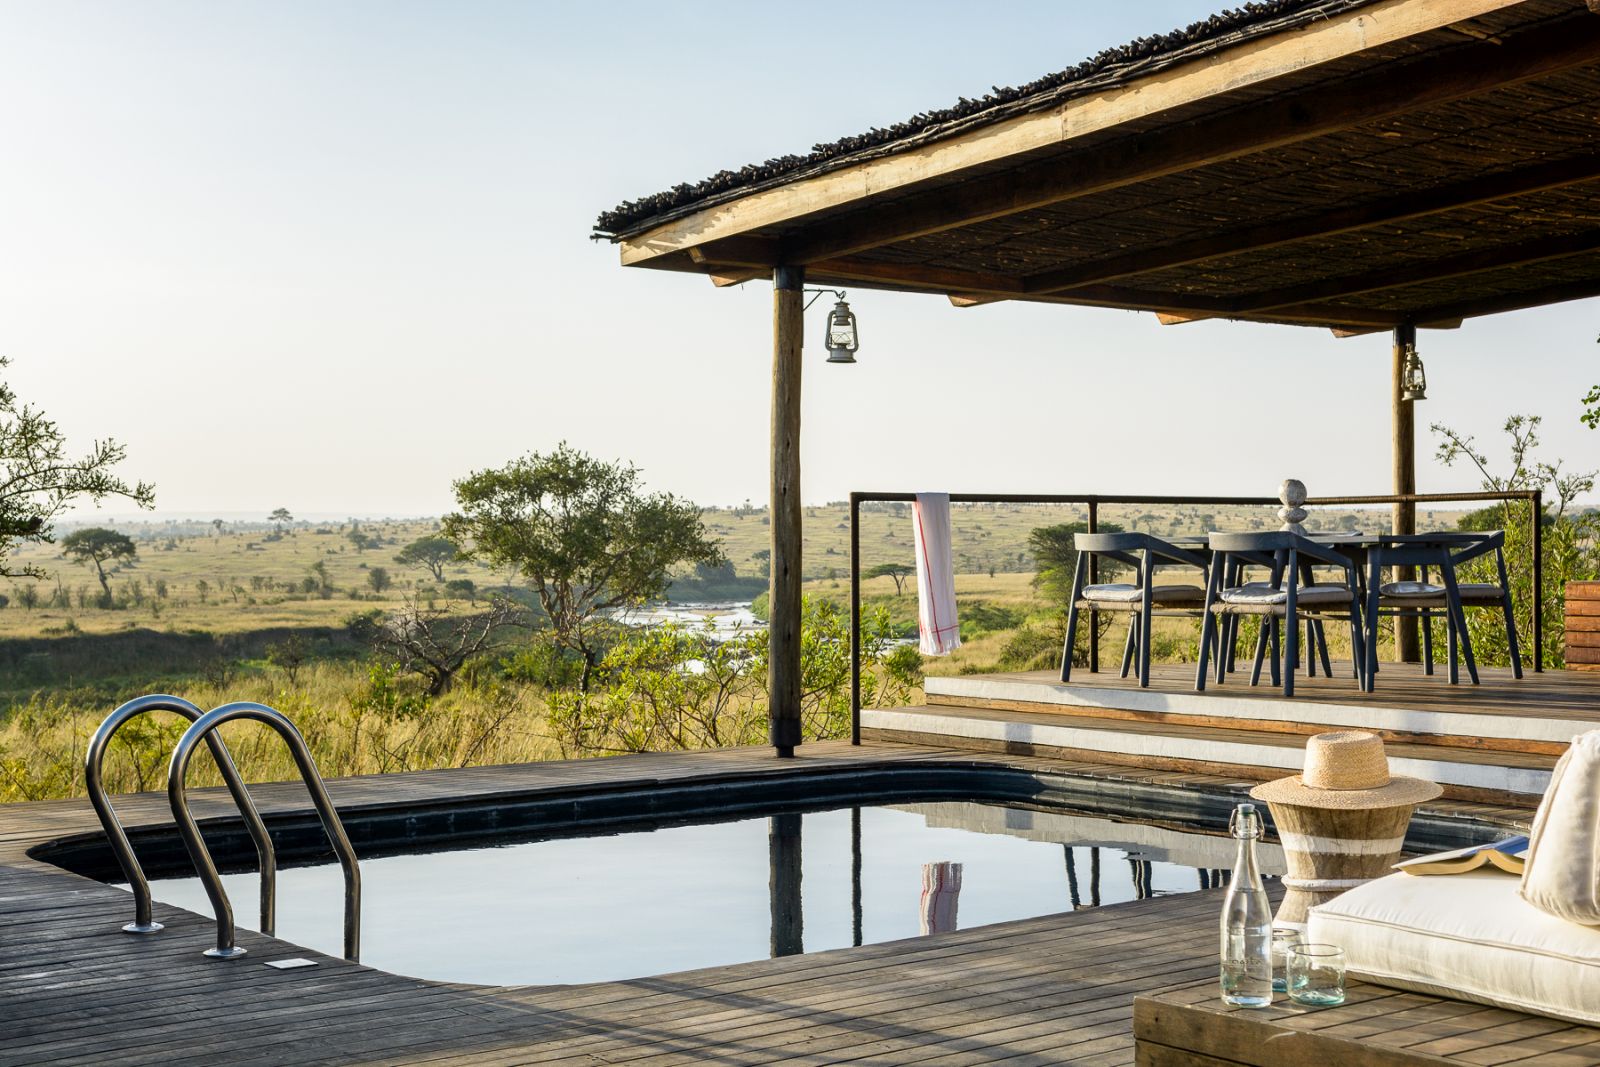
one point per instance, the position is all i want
(1509, 855)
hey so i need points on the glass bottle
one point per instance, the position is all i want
(1246, 920)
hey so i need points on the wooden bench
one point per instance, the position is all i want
(1375, 1027)
(1583, 626)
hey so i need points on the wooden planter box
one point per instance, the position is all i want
(1583, 626)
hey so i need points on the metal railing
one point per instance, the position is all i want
(1093, 501)
(199, 731)
(94, 782)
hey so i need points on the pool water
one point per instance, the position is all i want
(624, 905)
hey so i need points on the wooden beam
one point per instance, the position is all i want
(738, 276)
(968, 288)
(1530, 298)
(975, 287)
(757, 252)
(783, 594)
(1248, 63)
(1275, 121)
(1409, 205)
(1475, 262)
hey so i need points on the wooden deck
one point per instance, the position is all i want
(1058, 989)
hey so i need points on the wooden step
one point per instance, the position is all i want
(1259, 755)
(1538, 714)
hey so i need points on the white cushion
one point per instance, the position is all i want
(1563, 872)
(1123, 593)
(1411, 589)
(1467, 936)
(1470, 591)
(1263, 593)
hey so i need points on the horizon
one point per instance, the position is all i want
(348, 260)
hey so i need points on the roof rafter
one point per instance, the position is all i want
(1550, 294)
(1420, 203)
(1474, 262)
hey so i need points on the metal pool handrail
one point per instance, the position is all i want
(93, 761)
(199, 730)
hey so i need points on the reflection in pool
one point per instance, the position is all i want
(583, 909)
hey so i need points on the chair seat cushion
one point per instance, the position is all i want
(1263, 593)
(1125, 593)
(1467, 936)
(1433, 595)
(1399, 590)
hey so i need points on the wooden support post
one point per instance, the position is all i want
(783, 598)
(1405, 480)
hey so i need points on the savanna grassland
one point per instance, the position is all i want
(264, 612)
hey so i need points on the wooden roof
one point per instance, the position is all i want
(1385, 161)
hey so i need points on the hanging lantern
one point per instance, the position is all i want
(1413, 380)
(842, 339)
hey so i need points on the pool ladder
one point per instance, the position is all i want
(202, 728)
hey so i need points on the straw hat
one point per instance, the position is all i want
(1346, 769)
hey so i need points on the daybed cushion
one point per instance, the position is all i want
(1467, 936)
(1124, 593)
(1263, 593)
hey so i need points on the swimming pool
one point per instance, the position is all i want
(546, 910)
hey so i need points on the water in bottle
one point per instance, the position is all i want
(1246, 920)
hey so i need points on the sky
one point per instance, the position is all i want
(331, 256)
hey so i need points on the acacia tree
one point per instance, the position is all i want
(98, 546)
(38, 479)
(582, 533)
(1055, 554)
(898, 571)
(431, 552)
(436, 644)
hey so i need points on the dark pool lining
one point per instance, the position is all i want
(503, 818)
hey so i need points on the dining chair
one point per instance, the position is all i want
(1140, 600)
(1239, 565)
(1441, 554)
(1290, 595)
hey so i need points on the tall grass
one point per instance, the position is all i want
(357, 719)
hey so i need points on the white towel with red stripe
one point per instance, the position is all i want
(936, 577)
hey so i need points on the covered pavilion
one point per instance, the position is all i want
(1353, 165)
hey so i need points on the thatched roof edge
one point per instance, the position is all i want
(1111, 67)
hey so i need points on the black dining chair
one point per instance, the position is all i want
(1290, 595)
(1440, 554)
(1140, 600)
(1239, 567)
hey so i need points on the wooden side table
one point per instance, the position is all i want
(1376, 1027)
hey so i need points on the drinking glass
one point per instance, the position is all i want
(1316, 975)
(1283, 938)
